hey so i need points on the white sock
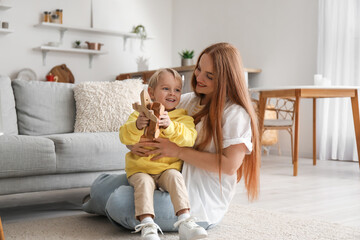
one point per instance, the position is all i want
(183, 216)
(147, 220)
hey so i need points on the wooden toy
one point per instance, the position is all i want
(152, 110)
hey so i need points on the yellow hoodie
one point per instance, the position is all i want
(180, 131)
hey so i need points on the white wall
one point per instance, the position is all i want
(17, 49)
(278, 36)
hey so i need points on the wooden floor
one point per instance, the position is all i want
(329, 191)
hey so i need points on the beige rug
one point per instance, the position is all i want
(241, 222)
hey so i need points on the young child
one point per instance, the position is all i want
(146, 175)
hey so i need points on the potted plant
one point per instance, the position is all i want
(186, 57)
(77, 44)
(140, 30)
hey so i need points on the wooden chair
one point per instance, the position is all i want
(269, 137)
(2, 237)
(284, 109)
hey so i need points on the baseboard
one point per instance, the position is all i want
(274, 151)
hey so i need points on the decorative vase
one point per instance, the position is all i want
(186, 61)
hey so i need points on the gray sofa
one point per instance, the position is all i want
(39, 150)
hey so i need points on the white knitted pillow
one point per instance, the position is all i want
(105, 106)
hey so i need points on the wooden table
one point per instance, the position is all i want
(313, 92)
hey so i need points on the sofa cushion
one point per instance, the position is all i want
(7, 107)
(44, 107)
(83, 152)
(26, 156)
(105, 106)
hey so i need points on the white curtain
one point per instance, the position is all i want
(339, 61)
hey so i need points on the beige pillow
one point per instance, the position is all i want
(105, 106)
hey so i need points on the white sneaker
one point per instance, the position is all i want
(148, 231)
(189, 230)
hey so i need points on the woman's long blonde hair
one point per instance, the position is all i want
(229, 85)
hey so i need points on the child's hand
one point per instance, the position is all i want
(164, 120)
(142, 121)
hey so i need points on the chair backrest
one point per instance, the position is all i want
(269, 137)
(255, 104)
(284, 107)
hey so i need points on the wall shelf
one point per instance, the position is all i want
(4, 7)
(91, 53)
(63, 28)
(3, 30)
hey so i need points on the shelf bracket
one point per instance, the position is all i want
(91, 56)
(125, 40)
(62, 32)
(44, 53)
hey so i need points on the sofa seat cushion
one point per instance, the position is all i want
(84, 152)
(26, 156)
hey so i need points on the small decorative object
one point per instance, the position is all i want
(77, 44)
(186, 57)
(53, 44)
(63, 73)
(59, 12)
(94, 46)
(5, 25)
(143, 63)
(55, 18)
(51, 78)
(27, 74)
(140, 30)
(47, 16)
(319, 80)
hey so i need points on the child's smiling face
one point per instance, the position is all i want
(167, 91)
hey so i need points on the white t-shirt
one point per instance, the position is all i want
(208, 202)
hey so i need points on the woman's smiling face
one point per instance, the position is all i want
(205, 76)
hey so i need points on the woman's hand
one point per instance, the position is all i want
(138, 148)
(142, 121)
(164, 148)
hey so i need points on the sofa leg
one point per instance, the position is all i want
(2, 237)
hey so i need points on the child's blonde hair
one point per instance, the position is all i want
(155, 77)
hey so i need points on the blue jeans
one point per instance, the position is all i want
(111, 195)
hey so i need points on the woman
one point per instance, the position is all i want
(227, 148)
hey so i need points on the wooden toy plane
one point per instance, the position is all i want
(152, 110)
